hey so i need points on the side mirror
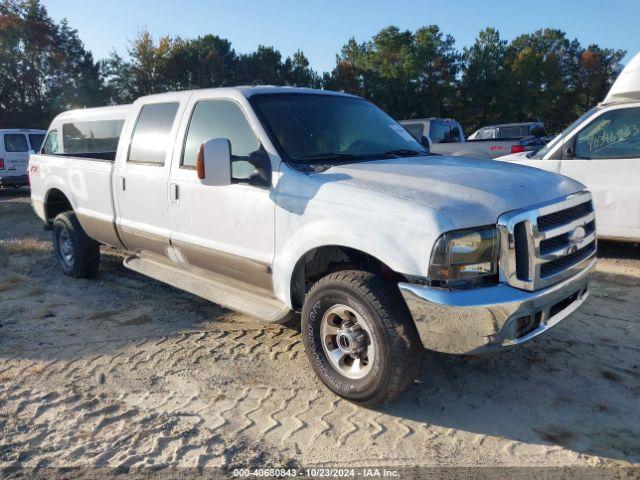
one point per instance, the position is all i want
(567, 152)
(214, 162)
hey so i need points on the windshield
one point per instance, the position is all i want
(308, 127)
(551, 145)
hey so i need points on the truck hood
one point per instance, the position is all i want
(467, 191)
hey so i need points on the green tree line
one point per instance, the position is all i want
(45, 69)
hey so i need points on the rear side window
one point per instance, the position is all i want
(218, 119)
(614, 134)
(100, 136)
(51, 145)
(15, 142)
(151, 135)
(35, 139)
(513, 132)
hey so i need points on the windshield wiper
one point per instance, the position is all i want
(329, 156)
(405, 152)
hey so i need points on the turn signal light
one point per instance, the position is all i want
(200, 163)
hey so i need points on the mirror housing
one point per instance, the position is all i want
(213, 163)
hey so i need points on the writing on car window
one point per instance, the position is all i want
(614, 134)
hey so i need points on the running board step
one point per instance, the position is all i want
(265, 308)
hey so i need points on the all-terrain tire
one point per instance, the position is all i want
(396, 344)
(78, 254)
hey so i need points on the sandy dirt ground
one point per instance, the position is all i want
(123, 371)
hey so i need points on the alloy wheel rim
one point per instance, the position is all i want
(347, 341)
(65, 247)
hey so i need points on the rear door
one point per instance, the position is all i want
(142, 171)
(16, 153)
(605, 156)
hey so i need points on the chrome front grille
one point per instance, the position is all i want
(547, 243)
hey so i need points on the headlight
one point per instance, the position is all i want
(461, 257)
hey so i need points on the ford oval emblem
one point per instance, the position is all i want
(577, 236)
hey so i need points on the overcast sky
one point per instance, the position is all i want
(320, 28)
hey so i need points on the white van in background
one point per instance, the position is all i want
(601, 149)
(15, 146)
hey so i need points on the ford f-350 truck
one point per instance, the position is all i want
(276, 200)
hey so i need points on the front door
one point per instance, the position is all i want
(141, 179)
(221, 231)
(605, 156)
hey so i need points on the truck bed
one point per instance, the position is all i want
(86, 182)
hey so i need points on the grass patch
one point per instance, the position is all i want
(23, 246)
(12, 281)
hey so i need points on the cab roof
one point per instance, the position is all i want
(248, 91)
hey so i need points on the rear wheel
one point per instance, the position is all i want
(359, 337)
(78, 255)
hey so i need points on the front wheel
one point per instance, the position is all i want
(359, 337)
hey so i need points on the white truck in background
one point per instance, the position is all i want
(602, 150)
(277, 200)
(15, 146)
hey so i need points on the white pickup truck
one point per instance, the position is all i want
(276, 200)
(602, 150)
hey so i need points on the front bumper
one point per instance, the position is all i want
(14, 181)
(482, 320)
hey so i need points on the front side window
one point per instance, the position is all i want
(100, 136)
(415, 129)
(15, 142)
(614, 134)
(486, 134)
(151, 135)
(311, 127)
(51, 145)
(35, 139)
(219, 119)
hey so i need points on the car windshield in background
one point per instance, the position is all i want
(309, 128)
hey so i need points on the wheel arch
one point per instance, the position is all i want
(321, 260)
(56, 201)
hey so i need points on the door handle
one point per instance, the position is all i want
(174, 194)
(123, 184)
